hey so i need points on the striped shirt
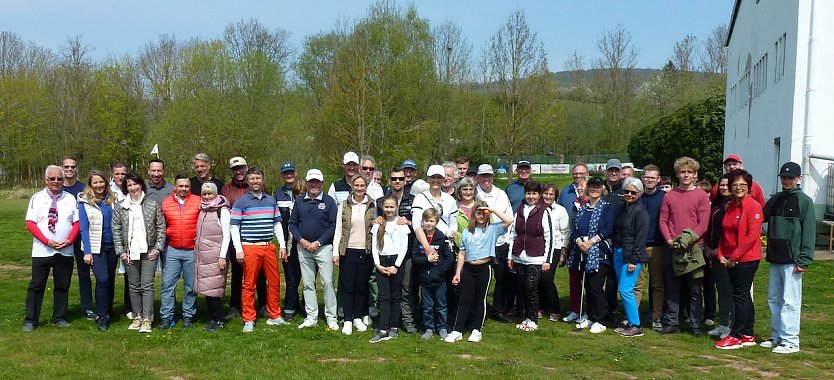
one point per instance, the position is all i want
(256, 217)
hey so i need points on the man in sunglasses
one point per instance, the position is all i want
(69, 167)
(340, 190)
(52, 219)
(368, 167)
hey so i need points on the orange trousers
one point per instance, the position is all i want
(256, 257)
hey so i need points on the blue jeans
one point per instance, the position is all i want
(104, 269)
(178, 263)
(434, 298)
(626, 281)
(784, 297)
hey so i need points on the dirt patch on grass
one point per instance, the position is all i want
(351, 360)
(470, 357)
(739, 364)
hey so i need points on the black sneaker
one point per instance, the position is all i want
(103, 324)
(392, 333)
(29, 326)
(409, 328)
(500, 317)
(666, 330)
(89, 315)
(233, 313)
(186, 322)
(215, 325)
(61, 323)
(382, 335)
(289, 315)
(165, 324)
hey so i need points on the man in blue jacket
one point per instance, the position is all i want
(652, 199)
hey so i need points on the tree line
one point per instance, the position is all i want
(389, 84)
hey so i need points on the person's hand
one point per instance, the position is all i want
(799, 269)
(403, 221)
(88, 258)
(545, 267)
(563, 260)
(456, 279)
(429, 250)
(314, 246)
(382, 269)
(239, 256)
(392, 270)
(60, 245)
(282, 255)
(126, 258)
(335, 260)
(221, 262)
(631, 268)
(433, 257)
(379, 220)
(153, 254)
(510, 263)
(304, 244)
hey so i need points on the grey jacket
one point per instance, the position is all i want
(154, 226)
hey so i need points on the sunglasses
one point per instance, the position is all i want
(55, 179)
(368, 168)
(69, 167)
(630, 192)
(395, 179)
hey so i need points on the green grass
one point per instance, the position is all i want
(555, 351)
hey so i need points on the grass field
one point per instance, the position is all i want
(555, 351)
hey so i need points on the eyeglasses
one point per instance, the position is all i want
(397, 179)
(368, 168)
(466, 189)
(738, 186)
(55, 179)
(630, 192)
(647, 178)
(69, 166)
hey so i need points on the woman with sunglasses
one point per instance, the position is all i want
(631, 229)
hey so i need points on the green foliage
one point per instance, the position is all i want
(696, 130)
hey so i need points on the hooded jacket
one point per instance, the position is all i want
(433, 274)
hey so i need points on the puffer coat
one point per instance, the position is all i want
(209, 279)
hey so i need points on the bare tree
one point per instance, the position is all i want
(158, 63)
(247, 37)
(20, 58)
(575, 64)
(714, 55)
(683, 54)
(614, 82)
(452, 53)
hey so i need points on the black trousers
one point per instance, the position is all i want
(215, 309)
(390, 294)
(672, 290)
(528, 281)
(292, 278)
(504, 294)
(354, 270)
(548, 293)
(61, 267)
(741, 277)
(474, 283)
(85, 284)
(611, 286)
(595, 297)
(237, 283)
(709, 293)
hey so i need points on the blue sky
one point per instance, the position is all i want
(115, 28)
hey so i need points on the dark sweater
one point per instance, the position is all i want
(652, 204)
(314, 219)
(431, 274)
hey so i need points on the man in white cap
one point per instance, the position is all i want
(504, 294)
(340, 190)
(313, 225)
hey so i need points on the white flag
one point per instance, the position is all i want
(155, 150)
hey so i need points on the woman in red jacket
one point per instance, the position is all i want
(740, 251)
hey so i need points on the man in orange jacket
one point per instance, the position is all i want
(181, 210)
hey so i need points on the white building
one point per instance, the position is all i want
(780, 91)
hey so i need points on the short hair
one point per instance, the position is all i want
(636, 183)
(135, 177)
(367, 157)
(68, 158)
(396, 169)
(744, 175)
(705, 186)
(549, 186)
(628, 167)
(651, 168)
(156, 160)
(533, 186)
(451, 165)
(117, 164)
(666, 180)
(255, 170)
(686, 162)
(180, 176)
(430, 213)
(52, 168)
(582, 164)
(464, 182)
(377, 171)
(462, 160)
(202, 157)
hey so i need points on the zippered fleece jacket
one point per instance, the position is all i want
(791, 228)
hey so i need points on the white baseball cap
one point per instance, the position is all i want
(350, 157)
(435, 170)
(485, 169)
(314, 174)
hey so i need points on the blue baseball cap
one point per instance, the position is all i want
(409, 164)
(287, 167)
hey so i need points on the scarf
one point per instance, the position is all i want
(217, 202)
(592, 262)
(53, 209)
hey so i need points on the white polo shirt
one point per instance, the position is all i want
(38, 212)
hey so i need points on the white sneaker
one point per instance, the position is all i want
(333, 325)
(136, 324)
(129, 315)
(531, 326)
(769, 343)
(348, 328)
(277, 321)
(583, 324)
(718, 331)
(572, 317)
(597, 328)
(522, 324)
(366, 320)
(360, 325)
(785, 349)
(453, 337)
(475, 337)
(308, 323)
(248, 326)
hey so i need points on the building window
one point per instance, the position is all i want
(779, 68)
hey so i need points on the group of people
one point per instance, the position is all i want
(424, 252)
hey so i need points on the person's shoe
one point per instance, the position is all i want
(29, 326)
(89, 315)
(347, 329)
(360, 325)
(366, 320)
(554, 317)
(373, 312)
(340, 312)
(709, 322)
(233, 313)
(475, 336)
(381, 336)
(393, 333)
(129, 315)
(136, 325)
(409, 328)
(583, 324)
(597, 328)
(631, 332)
(289, 315)
(308, 323)
(748, 341)
(61, 323)
(165, 324)
(501, 317)
(531, 326)
(769, 343)
(186, 322)
(540, 314)
(280, 321)
(427, 335)
(728, 343)
(669, 330)
(620, 330)
(657, 325)
(264, 312)
(146, 326)
(522, 324)
(248, 326)
(443, 334)
(571, 317)
(333, 325)
(103, 324)
(718, 331)
(215, 325)
(453, 337)
(697, 333)
(785, 348)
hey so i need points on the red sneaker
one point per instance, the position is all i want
(748, 340)
(728, 343)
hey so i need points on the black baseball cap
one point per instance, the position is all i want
(790, 170)
(595, 181)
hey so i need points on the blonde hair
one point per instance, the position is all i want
(90, 196)
(686, 163)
